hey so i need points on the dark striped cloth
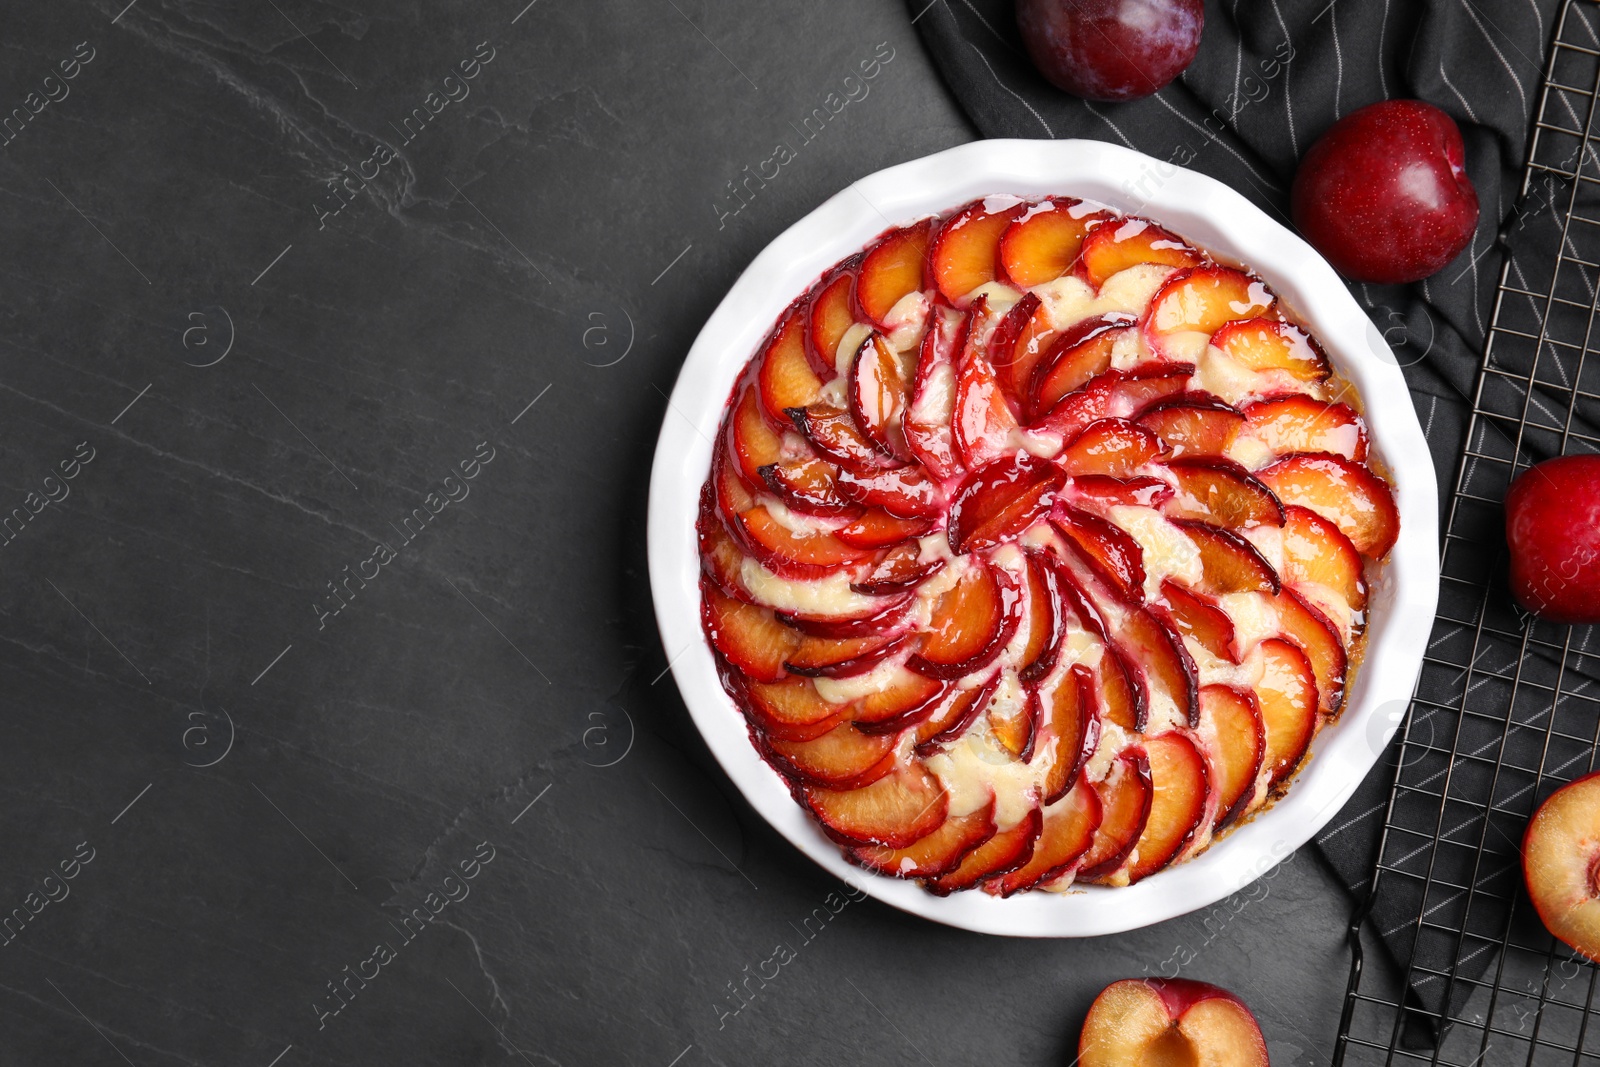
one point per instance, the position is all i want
(1269, 79)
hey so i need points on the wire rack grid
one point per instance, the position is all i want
(1507, 708)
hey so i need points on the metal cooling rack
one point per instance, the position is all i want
(1507, 709)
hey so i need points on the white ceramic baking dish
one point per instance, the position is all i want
(1210, 215)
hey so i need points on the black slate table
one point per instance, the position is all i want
(334, 341)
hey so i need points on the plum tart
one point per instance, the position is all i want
(1036, 547)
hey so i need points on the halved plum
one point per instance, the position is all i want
(1559, 862)
(1165, 1022)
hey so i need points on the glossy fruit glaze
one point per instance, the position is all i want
(1036, 547)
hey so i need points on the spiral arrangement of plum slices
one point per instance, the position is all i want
(1036, 548)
